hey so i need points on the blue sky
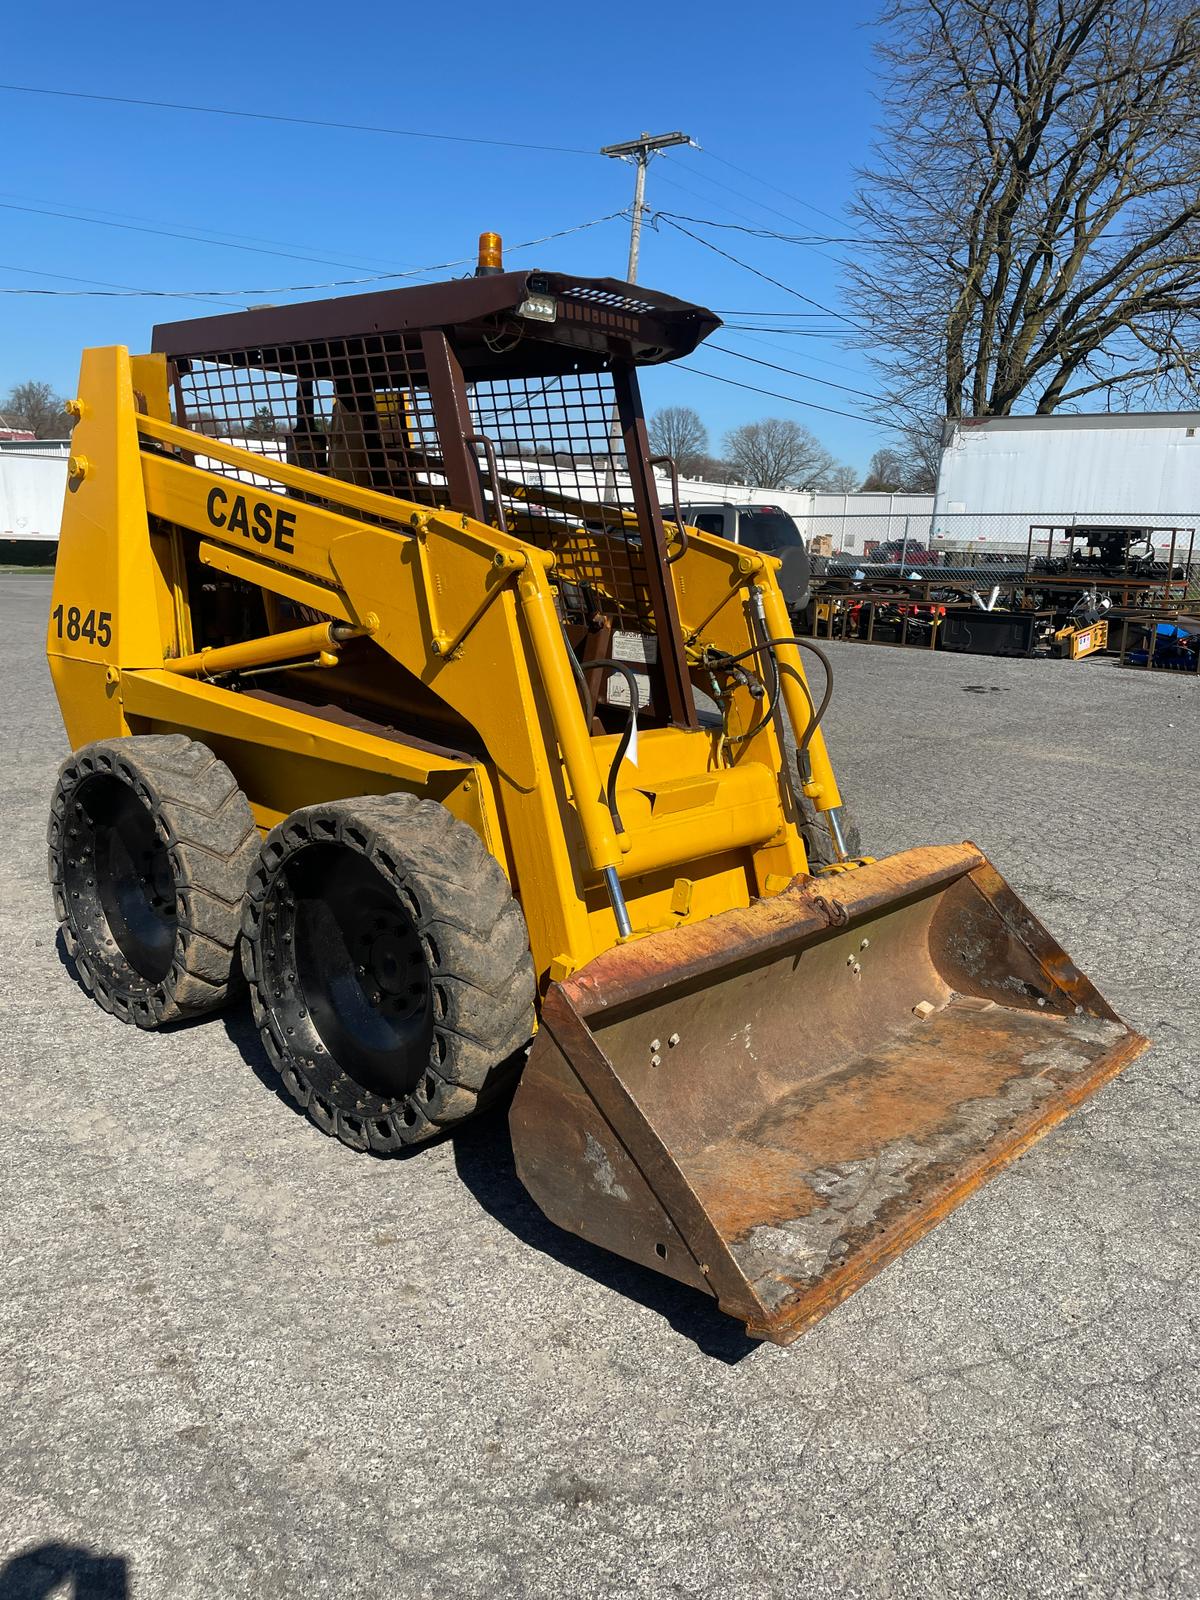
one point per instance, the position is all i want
(780, 98)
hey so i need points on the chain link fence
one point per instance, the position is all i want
(982, 538)
(905, 578)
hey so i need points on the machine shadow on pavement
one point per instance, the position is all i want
(44, 1569)
(243, 1035)
(484, 1158)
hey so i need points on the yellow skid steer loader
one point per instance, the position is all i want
(392, 687)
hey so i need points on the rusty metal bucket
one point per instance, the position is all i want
(772, 1104)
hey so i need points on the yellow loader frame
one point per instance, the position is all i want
(467, 609)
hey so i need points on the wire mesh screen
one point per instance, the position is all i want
(564, 481)
(355, 409)
(360, 410)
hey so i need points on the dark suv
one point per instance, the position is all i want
(765, 528)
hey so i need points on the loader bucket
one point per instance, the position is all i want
(771, 1104)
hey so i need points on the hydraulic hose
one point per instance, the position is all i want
(772, 703)
(610, 788)
(767, 645)
(580, 671)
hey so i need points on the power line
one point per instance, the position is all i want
(706, 198)
(791, 372)
(754, 178)
(805, 244)
(765, 276)
(743, 313)
(815, 321)
(771, 233)
(66, 277)
(822, 361)
(102, 221)
(772, 394)
(830, 332)
(746, 267)
(306, 122)
(168, 233)
(738, 194)
(222, 234)
(292, 288)
(819, 238)
(810, 240)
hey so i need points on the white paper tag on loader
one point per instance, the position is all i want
(638, 649)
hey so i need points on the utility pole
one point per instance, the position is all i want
(639, 151)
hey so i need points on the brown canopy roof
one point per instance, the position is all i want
(597, 320)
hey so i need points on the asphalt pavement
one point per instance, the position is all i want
(237, 1359)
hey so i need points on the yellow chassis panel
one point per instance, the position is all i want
(471, 614)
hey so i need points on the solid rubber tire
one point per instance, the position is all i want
(476, 951)
(198, 824)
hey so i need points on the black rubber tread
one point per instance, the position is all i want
(818, 841)
(476, 947)
(202, 818)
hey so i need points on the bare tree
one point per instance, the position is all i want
(903, 471)
(842, 480)
(922, 438)
(206, 423)
(886, 473)
(678, 431)
(1033, 214)
(35, 406)
(778, 453)
(708, 469)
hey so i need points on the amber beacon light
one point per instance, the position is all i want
(491, 255)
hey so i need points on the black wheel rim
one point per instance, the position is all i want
(118, 881)
(347, 976)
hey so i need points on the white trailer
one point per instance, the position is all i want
(33, 481)
(1141, 466)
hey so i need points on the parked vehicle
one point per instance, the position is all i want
(768, 529)
(907, 551)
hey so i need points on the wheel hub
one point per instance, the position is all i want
(358, 984)
(389, 962)
(121, 883)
